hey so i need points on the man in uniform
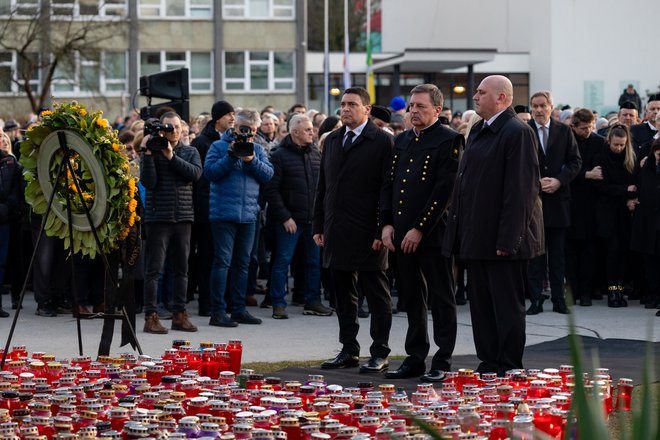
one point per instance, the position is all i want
(413, 212)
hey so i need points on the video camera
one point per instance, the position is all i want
(153, 127)
(241, 145)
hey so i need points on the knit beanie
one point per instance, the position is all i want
(220, 109)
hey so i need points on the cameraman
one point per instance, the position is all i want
(235, 167)
(168, 170)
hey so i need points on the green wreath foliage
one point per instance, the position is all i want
(103, 141)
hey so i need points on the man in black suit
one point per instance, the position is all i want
(644, 132)
(413, 209)
(495, 224)
(354, 164)
(559, 163)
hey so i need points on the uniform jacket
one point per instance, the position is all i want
(562, 161)
(201, 188)
(645, 237)
(496, 203)
(583, 190)
(417, 191)
(346, 210)
(292, 190)
(612, 215)
(641, 134)
(234, 183)
(169, 184)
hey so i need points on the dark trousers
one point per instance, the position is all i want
(426, 282)
(496, 290)
(652, 272)
(160, 238)
(51, 271)
(615, 260)
(553, 263)
(200, 263)
(580, 267)
(376, 289)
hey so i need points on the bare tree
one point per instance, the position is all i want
(50, 38)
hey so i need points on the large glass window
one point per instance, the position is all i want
(19, 7)
(82, 74)
(13, 69)
(66, 8)
(200, 65)
(176, 8)
(91, 73)
(259, 71)
(259, 9)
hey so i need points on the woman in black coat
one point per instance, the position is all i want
(645, 237)
(615, 202)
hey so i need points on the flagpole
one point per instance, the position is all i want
(347, 69)
(369, 73)
(326, 59)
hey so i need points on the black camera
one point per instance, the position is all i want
(241, 145)
(154, 128)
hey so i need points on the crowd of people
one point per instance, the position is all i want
(489, 206)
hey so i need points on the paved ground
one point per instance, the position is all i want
(310, 338)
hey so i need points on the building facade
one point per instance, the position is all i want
(250, 52)
(584, 51)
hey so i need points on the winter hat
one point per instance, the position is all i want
(398, 103)
(382, 113)
(220, 109)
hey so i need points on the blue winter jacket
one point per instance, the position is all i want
(234, 183)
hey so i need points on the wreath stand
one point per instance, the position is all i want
(108, 318)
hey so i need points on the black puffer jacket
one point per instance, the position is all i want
(201, 187)
(292, 190)
(169, 185)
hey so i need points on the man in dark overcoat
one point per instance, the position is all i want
(354, 163)
(413, 214)
(559, 163)
(495, 224)
(580, 234)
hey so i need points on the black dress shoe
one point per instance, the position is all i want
(362, 312)
(535, 308)
(560, 308)
(245, 318)
(343, 360)
(222, 320)
(374, 365)
(3, 314)
(405, 371)
(434, 376)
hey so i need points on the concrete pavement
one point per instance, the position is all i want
(309, 337)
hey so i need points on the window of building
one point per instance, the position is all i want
(13, 69)
(19, 7)
(259, 9)
(257, 71)
(66, 8)
(87, 74)
(176, 8)
(200, 65)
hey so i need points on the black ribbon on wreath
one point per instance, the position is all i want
(124, 294)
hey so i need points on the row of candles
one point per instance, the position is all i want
(202, 393)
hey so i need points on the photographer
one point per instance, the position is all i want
(168, 170)
(235, 167)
